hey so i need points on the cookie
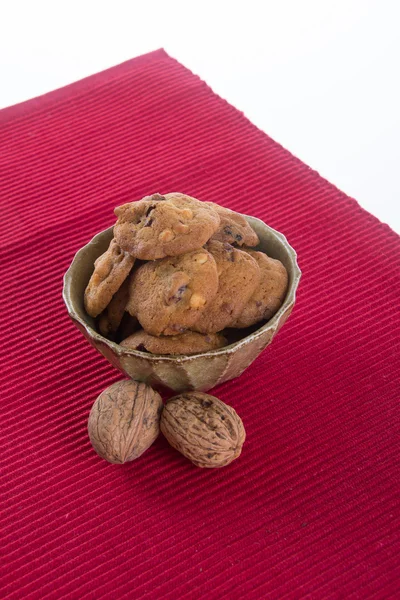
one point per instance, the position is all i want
(233, 228)
(110, 271)
(189, 342)
(269, 294)
(128, 326)
(160, 226)
(169, 295)
(110, 319)
(239, 275)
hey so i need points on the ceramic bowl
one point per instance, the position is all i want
(182, 372)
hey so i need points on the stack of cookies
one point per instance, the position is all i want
(179, 274)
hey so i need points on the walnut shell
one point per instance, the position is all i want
(125, 421)
(203, 428)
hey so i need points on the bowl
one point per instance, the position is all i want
(182, 372)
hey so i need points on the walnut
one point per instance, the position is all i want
(203, 428)
(125, 421)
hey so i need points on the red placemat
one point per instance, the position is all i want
(311, 508)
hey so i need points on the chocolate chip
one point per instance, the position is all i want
(228, 230)
(148, 211)
(148, 219)
(177, 297)
(230, 249)
(238, 237)
(226, 307)
(181, 290)
(178, 328)
(141, 348)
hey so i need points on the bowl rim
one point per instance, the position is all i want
(271, 325)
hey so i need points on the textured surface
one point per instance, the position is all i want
(311, 507)
(110, 271)
(124, 421)
(158, 226)
(169, 295)
(205, 430)
(233, 228)
(268, 296)
(239, 276)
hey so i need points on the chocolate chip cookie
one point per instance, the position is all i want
(239, 275)
(110, 271)
(160, 226)
(233, 228)
(128, 326)
(189, 342)
(169, 295)
(110, 319)
(269, 294)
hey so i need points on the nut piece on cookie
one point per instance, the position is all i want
(233, 229)
(239, 275)
(189, 342)
(159, 226)
(169, 295)
(269, 294)
(110, 271)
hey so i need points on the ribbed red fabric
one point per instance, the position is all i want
(311, 509)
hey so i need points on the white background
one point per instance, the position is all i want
(321, 77)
